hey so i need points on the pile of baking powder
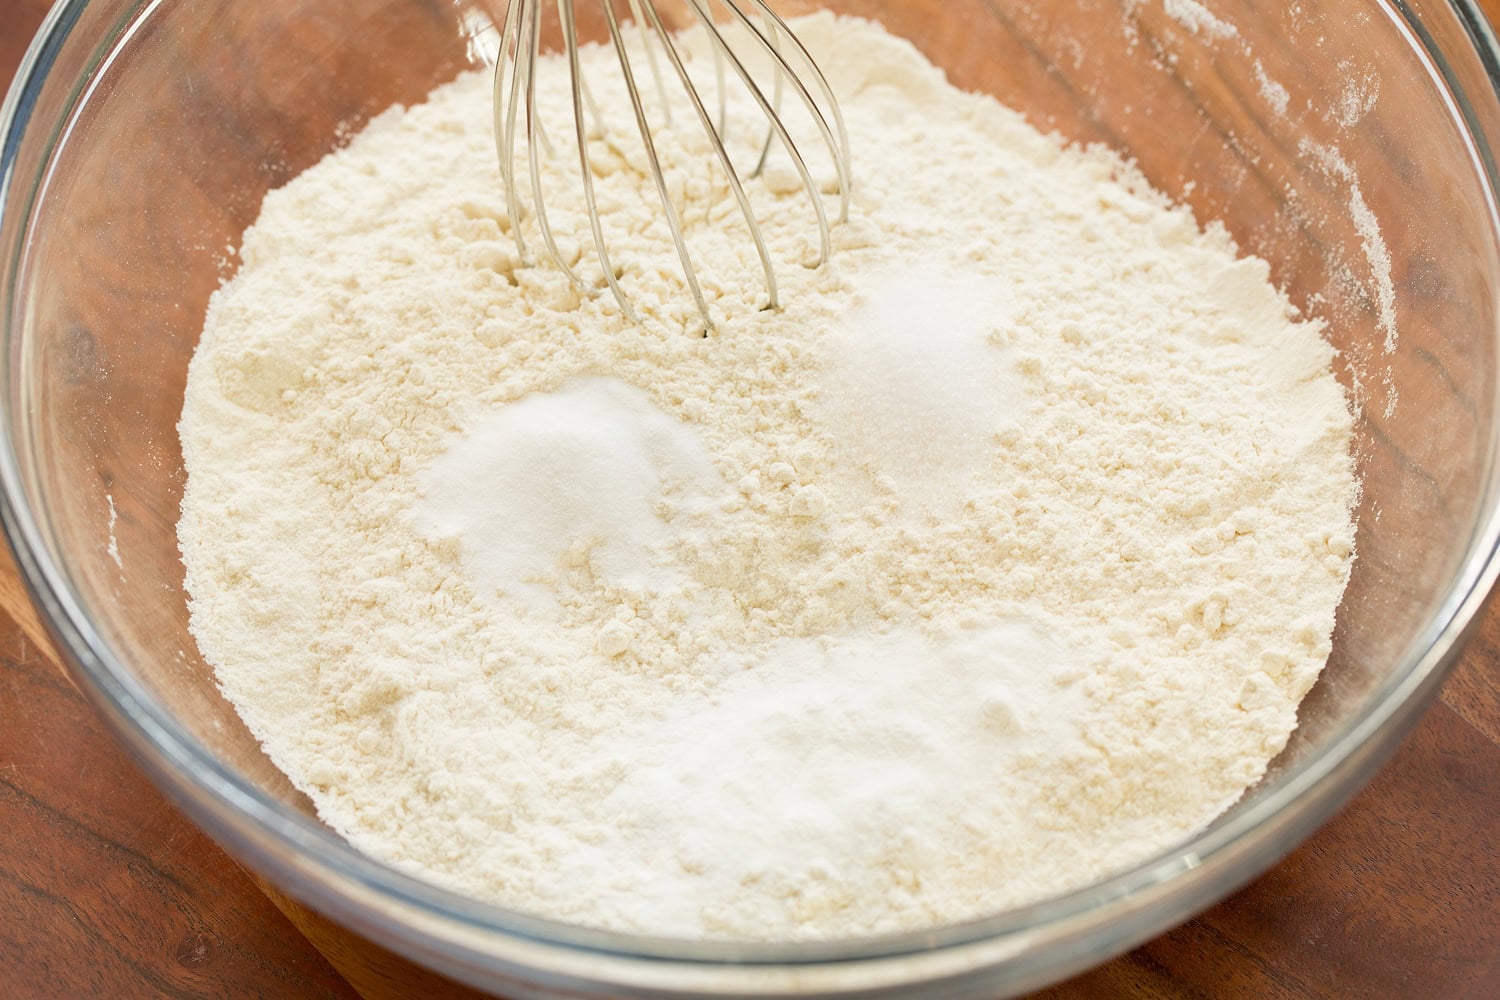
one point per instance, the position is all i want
(995, 561)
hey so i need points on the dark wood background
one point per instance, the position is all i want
(106, 890)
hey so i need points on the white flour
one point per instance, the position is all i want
(997, 560)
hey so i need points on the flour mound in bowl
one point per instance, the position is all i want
(995, 561)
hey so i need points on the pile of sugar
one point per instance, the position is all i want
(995, 561)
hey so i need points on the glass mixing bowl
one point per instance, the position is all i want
(1348, 144)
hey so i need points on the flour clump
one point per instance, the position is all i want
(994, 561)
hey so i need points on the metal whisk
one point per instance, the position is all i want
(761, 29)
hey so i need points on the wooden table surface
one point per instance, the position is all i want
(107, 890)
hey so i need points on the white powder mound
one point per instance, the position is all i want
(996, 560)
(528, 480)
(914, 391)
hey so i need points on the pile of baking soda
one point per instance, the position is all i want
(996, 560)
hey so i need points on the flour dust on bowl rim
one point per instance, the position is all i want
(112, 247)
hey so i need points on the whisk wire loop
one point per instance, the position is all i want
(515, 96)
(644, 127)
(533, 125)
(838, 147)
(720, 45)
(725, 160)
(505, 110)
(639, 18)
(779, 86)
(580, 92)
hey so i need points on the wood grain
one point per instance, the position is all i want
(106, 890)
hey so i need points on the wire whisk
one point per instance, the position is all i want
(763, 38)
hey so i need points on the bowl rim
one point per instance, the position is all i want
(475, 941)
